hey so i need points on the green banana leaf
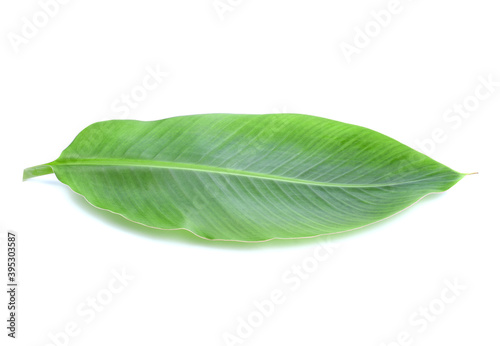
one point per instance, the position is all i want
(246, 177)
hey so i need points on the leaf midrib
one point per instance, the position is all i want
(208, 169)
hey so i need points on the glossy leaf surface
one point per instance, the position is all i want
(246, 177)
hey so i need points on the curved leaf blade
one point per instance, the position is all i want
(246, 177)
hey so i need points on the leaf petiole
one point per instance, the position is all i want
(37, 171)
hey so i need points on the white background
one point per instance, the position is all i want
(258, 57)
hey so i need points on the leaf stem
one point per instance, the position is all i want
(36, 171)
